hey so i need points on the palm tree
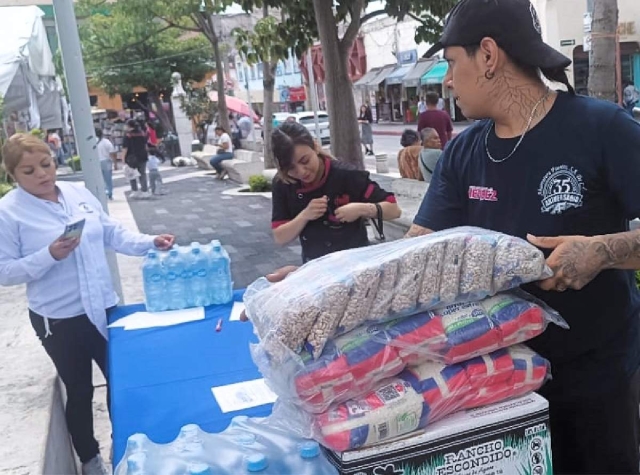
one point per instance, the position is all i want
(603, 53)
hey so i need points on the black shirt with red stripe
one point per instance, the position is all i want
(327, 234)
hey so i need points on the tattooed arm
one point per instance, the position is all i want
(415, 231)
(577, 260)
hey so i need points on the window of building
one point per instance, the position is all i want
(240, 72)
(253, 72)
(259, 67)
(288, 65)
(280, 68)
(296, 64)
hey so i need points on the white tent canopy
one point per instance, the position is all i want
(27, 74)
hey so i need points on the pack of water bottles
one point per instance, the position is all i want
(187, 276)
(248, 445)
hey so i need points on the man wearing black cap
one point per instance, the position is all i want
(546, 163)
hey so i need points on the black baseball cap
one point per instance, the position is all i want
(513, 24)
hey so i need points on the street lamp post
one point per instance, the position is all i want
(81, 112)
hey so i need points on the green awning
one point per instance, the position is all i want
(436, 74)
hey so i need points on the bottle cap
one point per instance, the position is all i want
(199, 469)
(195, 250)
(246, 438)
(309, 449)
(256, 462)
(152, 253)
(173, 252)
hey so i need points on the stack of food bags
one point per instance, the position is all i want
(381, 332)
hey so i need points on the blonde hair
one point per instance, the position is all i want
(17, 146)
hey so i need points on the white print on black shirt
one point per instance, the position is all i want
(561, 189)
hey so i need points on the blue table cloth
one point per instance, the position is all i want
(161, 378)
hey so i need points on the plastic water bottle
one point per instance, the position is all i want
(175, 289)
(154, 283)
(220, 275)
(199, 266)
(136, 463)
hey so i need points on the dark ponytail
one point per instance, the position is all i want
(558, 75)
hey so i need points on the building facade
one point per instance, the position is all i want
(566, 26)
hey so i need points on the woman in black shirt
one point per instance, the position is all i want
(320, 201)
(134, 149)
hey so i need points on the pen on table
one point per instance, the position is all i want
(219, 325)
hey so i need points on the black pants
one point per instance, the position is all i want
(594, 430)
(72, 345)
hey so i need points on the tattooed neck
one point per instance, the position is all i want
(513, 98)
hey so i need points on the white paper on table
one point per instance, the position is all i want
(141, 320)
(237, 309)
(238, 396)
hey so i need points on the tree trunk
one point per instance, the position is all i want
(268, 83)
(164, 119)
(223, 112)
(345, 134)
(602, 57)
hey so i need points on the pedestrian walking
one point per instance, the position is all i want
(155, 177)
(365, 119)
(436, 119)
(566, 168)
(409, 155)
(107, 155)
(318, 200)
(134, 149)
(69, 286)
(430, 153)
(422, 105)
(55, 145)
(225, 151)
(630, 97)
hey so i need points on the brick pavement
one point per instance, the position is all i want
(195, 209)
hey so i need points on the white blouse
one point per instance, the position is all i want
(73, 286)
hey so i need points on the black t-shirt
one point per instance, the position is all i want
(136, 145)
(576, 173)
(327, 234)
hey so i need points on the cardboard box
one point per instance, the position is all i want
(509, 438)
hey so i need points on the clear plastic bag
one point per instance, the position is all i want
(338, 292)
(354, 363)
(419, 396)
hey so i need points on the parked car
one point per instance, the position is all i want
(307, 119)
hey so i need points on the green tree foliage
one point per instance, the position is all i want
(122, 52)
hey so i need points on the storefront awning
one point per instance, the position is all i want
(436, 74)
(364, 80)
(398, 75)
(412, 79)
(381, 76)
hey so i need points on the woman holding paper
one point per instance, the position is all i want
(53, 238)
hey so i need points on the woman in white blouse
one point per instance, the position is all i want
(69, 286)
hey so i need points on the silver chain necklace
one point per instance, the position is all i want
(526, 129)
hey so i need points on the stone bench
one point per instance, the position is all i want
(244, 165)
(203, 158)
